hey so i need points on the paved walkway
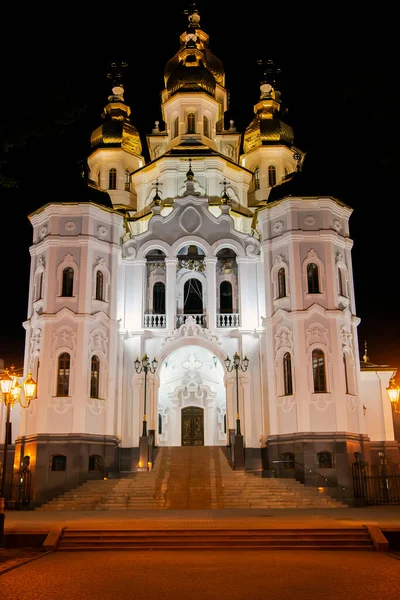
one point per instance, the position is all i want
(384, 516)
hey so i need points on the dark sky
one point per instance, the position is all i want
(338, 81)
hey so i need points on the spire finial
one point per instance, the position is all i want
(116, 75)
(190, 174)
(157, 198)
(224, 196)
(365, 357)
(193, 16)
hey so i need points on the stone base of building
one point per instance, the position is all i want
(60, 462)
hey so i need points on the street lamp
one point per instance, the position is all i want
(394, 390)
(11, 390)
(237, 364)
(144, 365)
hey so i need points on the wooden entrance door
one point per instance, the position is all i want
(192, 426)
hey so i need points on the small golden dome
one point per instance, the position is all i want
(117, 130)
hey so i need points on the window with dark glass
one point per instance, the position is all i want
(325, 460)
(191, 123)
(193, 297)
(225, 297)
(159, 424)
(176, 127)
(225, 423)
(257, 179)
(159, 298)
(95, 462)
(127, 181)
(112, 179)
(67, 282)
(287, 374)
(340, 281)
(312, 279)
(39, 294)
(288, 457)
(99, 285)
(346, 380)
(94, 377)
(63, 374)
(206, 126)
(271, 176)
(318, 366)
(58, 462)
(281, 283)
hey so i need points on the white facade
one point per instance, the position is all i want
(270, 281)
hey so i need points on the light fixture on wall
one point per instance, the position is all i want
(394, 390)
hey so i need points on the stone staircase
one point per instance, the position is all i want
(191, 478)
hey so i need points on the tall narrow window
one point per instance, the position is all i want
(159, 298)
(99, 285)
(58, 462)
(176, 127)
(271, 176)
(312, 279)
(127, 181)
(325, 460)
(206, 129)
(94, 377)
(225, 423)
(67, 282)
(287, 374)
(39, 294)
(159, 424)
(225, 297)
(257, 179)
(98, 179)
(63, 374)
(340, 282)
(346, 379)
(318, 366)
(112, 179)
(281, 283)
(191, 123)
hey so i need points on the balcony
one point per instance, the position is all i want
(199, 318)
(154, 321)
(227, 320)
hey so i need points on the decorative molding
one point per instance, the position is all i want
(42, 261)
(286, 403)
(191, 329)
(346, 336)
(64, 337)
(278, 226)
(43, 231)
(309, 220)
(102, 231)
(337, 224)
(321, 401)
(70, 225)
(98, 341)
(351, 402)
(317, 334)
(283, 338)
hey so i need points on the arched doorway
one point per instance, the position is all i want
(192, 398)
(193, 297)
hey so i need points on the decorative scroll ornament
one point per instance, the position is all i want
(347, 337)
(64, 337)
(309, 220)
(98, 341)
(283, 338)
(192, 329)
(70, 226)
(278, 226)
(337, 224)
(317, 334)
(102, 231)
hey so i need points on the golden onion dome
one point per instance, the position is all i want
(117, 130)
(267, 127)
(194, 60)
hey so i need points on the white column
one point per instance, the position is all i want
(170, 291)
(211, 277)
(134, 307)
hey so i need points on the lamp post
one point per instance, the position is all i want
(394, 390)
(237, 364)
(11, 389)
(144, 365)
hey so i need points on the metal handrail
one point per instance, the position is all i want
(310, 471)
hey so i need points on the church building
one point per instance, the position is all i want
(195, 298)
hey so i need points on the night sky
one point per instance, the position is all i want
(338, 80)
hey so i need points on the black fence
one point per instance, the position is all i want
(378, 484)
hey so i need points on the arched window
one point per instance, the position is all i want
(206, 129)
(281, 283)
(127, 180)
(112, 179)
(159, 298)
(99, 285)
(176, 127)
(95, 463)
(318, 366)
(94, 376)
(225, 297)
(159, 424)
(39, 294)
(257, 179)
(287, 374)
(346, 379)
(312, 279)
(63, 374)
(193, 297)
(325, 460)
(271, 176)
(67, 282)
(288, 457)
(58, 462)
(191, 123)
(340, 282)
